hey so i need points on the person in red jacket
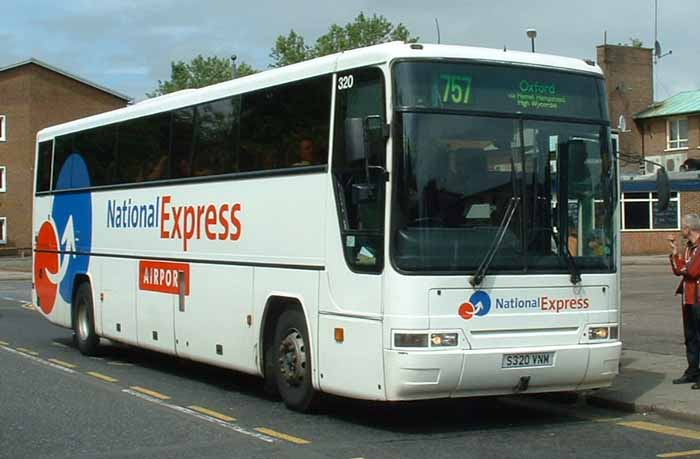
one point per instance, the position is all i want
(687, 266)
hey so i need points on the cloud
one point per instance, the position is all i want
(128, 45)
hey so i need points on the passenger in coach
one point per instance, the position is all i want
(307, 154)
(687, 266)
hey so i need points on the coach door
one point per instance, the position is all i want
(355, 245)
(351, 299)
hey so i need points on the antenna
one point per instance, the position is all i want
(657, 46)
(437, 26)
(622, 124)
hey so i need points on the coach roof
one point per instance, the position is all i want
(371, 55)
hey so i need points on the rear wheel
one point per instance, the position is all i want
(84, 322)
(293, 362)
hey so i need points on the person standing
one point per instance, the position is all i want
(687, 266)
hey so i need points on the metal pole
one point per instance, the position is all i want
(533, 44)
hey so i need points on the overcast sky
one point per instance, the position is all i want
(127, 45)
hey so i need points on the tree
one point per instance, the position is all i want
(635, 43)
(289, 49)
(199, 72)
(363, 31)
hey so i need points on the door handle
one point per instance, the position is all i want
(181, 290)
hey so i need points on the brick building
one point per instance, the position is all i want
(35, 95)
(666, 132)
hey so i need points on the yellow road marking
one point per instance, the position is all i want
(27, 351)
(152, 393)
(4, 343)
(666, 430)
(283, 436)
(695, 452)
(57, 344)
(101, 376)
(606, 419)
(28, 306)
(62, 363)
(212, 413)
(117, 363)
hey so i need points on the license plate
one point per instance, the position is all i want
(535, 359)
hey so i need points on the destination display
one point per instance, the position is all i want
(496, 88)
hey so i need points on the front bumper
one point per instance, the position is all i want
(413, 375)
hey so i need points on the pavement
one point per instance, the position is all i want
(644, 384)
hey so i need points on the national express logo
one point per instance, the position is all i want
(479, 304)
(66, 231)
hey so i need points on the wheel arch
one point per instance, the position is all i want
(274, 306)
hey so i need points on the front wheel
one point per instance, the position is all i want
(84, 322)
(293, 362)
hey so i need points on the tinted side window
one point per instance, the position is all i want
(97, 147)
(286, 126)
(215, 144)
(62, 149)
(143, 148)
(43, 173)
(182, 143)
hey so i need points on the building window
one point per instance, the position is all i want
(677, 130)
(640, 212)
(3, 179)
(3, 230)
(3, 128)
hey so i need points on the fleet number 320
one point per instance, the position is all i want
(345, 82)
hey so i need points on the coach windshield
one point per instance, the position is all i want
(461, 156)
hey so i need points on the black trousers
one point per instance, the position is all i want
(691, 329)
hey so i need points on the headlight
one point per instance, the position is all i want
(595, 333)
(433, 340)
(411, 340)
(443, 339)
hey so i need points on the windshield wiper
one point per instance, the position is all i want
(571, 265)
(488, 258)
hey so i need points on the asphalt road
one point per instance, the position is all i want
(54, 402)
(651, 313)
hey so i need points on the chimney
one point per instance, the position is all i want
(630, 86)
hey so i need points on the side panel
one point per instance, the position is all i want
(116, 297)
(52, 278)
(210, 325)
(154, 312)
(353, 367)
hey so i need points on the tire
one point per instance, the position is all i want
(270, 359)
(84, 321)
(292, 363)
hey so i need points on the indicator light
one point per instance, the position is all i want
(443, 339)
(598, 333)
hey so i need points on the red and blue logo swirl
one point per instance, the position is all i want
(64, 239)
(479, 304)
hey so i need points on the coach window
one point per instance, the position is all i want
(359, 188)
(143, 148)
(307, 108)
(63, 148)
(215, 137)
(97, 147)
(286, 126)
(182, 142)
(43, 175)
